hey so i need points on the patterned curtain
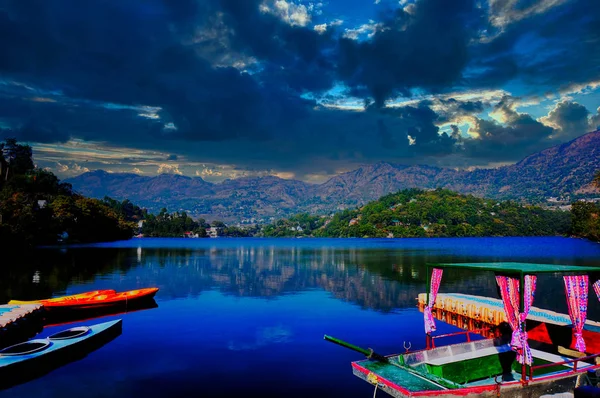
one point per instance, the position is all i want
(509, 290)
(576, 290)
(597, 288)
(436, 279)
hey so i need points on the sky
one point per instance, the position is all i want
(294, 88)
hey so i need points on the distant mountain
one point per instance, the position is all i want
(563, 171)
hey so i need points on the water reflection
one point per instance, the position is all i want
(247, 316)
(377, 276)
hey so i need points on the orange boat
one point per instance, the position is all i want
(111, 299)
(62, 299)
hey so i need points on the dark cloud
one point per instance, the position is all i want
(570, 119)
(558, 47)
(172, 157)
(595, 120)
(33, 132)
(138, 58)
(452, 108)
(519, 135)
(426, 48)
(230, 83)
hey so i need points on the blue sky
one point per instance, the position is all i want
(293, 88)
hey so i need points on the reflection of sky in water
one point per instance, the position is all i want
(247, 317)
(264, 336)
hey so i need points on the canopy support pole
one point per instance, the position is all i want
(427, 283)
(522, 325)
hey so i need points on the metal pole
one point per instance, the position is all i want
(428, 339)
(522, 325)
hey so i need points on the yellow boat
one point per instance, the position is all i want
(79, 296)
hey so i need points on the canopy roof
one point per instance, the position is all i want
(518, 268)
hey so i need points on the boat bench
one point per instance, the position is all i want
(554, 358)
(467, 366)
(469, 355)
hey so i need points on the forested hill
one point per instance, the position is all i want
(429, 213)
(563, 172)
(37, 208)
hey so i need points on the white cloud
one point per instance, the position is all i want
(580, 88)
(288, 11)
(368, 29)
(286, 175)
(505, 12)
(164, 168)
(71, 169)
(207, 172)
(322, 28)
(137, 171)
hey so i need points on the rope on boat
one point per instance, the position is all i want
(498, 383)
(375, 392)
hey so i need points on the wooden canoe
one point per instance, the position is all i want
(122, 299)
(65, 298)
(25, 361)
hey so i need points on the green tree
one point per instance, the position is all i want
(17, 158)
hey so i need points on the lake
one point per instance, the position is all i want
(246, 317)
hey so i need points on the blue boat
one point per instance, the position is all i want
(26, 361)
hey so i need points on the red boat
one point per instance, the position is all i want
(122, 299)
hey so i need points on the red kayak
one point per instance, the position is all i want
(122, 299)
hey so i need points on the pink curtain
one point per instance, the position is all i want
(576, 290)
(509, 289)
(597, 288)
(436, 279)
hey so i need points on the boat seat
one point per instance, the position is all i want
(546, 356)
(469, 355)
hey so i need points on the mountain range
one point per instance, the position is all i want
(561, 172)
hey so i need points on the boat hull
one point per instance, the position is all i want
(61, 299)
(534, 389)
(123, 300)
(49, 354)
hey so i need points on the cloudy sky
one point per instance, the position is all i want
(294, 88)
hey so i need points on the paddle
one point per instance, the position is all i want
(370, 354)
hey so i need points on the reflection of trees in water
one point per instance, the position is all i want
(42, 273)
(372, 278)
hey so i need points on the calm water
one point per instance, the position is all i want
(247, 316)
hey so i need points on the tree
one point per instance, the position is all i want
(219, 224)
(596, 180)
(36, 207)
(17, 158)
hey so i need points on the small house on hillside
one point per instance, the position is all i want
(213, 232)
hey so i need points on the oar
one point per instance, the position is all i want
(378, 357)
(368, 353)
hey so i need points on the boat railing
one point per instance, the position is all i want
(574, 361)
(431, 339)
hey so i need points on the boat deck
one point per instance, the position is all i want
(443, 368)
(10, 314)
(18, 322)
(388, 372)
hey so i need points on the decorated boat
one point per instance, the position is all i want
(111, 299)
(61, 299)
(510, 363)
(25, 361)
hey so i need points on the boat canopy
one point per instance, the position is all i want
(519, 268)
(517, 283)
